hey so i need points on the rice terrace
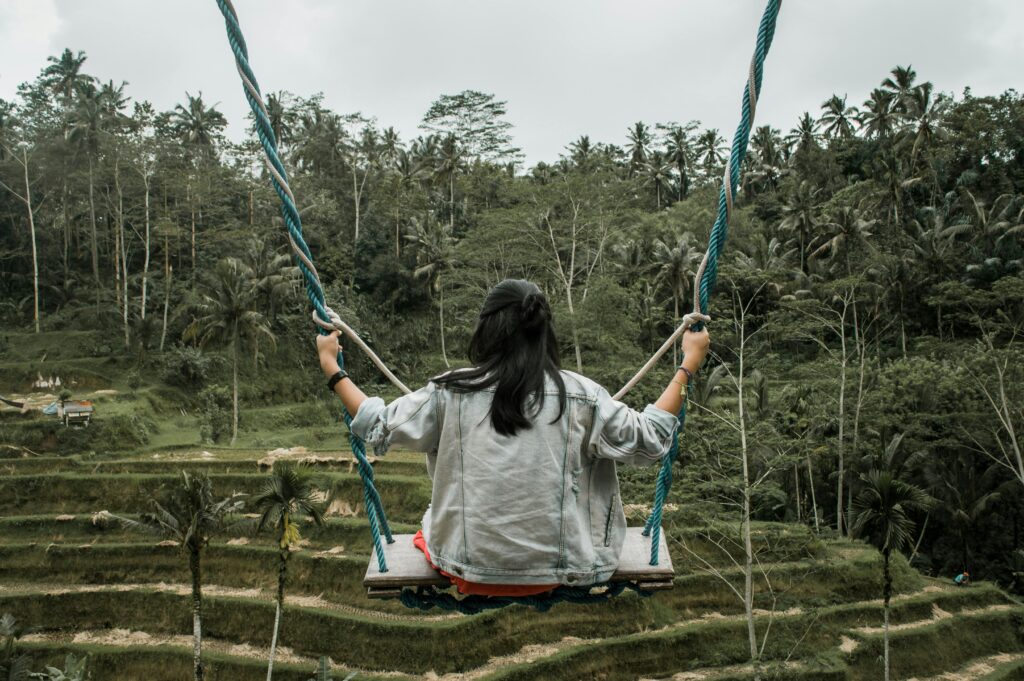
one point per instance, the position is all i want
(292, 392)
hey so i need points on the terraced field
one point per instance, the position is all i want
(86, 584)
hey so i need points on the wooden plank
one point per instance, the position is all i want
(408, 568)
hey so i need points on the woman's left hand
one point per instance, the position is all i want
(327, 348)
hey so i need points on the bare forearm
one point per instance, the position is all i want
(671, 399)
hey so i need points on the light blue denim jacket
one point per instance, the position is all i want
(542, 507)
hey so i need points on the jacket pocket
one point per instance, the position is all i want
(608, 521)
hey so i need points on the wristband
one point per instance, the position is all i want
(689, 374)
(335, 379)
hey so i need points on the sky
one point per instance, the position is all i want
(565, 67)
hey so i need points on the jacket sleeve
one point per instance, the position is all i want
(411, 421)
(629, 436)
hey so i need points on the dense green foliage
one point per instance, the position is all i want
(875, 259)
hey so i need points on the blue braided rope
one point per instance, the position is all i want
(716, 242)
(303, 257)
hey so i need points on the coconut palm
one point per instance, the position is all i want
(767, 157)
(679, 152)
(581, 152)
(848, 230)
(189, 514)
(676, 266)
(64, 77)
(838, 119)
(800, 217)
(879, 119)
(900, 84)
(924, 114)
(658, 173)
(198, 126)
(435, 257)
(226, 315)
(804, 136)
(882, 513)
(639, 146)
(711, 151)
(286, 499)
(450, 160)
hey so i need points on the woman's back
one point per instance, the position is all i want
(537, 507)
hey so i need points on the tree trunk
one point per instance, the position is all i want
(192, 212)
(282, 572)
(796, 492)
(168, 273)
(146, 250)
(94, 244)
(575, 331)
(887, 596)
(32, 234)
(451, 197)
(234, 385)
(197, 616)
(748, 546)
(440, 307)
(841, 444)
(124, 252)
(814, 500)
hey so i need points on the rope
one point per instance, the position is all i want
(707, 273)
(324, 316)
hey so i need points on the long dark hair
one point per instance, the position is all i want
(513, 348)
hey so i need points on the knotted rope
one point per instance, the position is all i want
(707, 273)
(323, 315)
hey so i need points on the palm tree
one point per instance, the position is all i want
(799, 217)
(848, 229)
(435, 256)
(924, 114)
(450, 158)
(804, 135)
(197, 125)
(287, 498)
(658, 173)
(900, 84)
(767, 158)
(273, 274)
(189, 514)
(639, 145)
(879, 118)
(711, 151)
(679, 151)
(676, 265)
(282, 120)
(64, 75)
(838, 119)
(227, 316)
(882, 514)
(580, 152)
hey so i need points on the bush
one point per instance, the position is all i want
(186, 367)
(214, 413)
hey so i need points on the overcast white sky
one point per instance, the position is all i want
(566, 67)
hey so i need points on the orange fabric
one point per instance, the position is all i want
(476, 589)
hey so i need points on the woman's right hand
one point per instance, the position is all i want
(695, 347)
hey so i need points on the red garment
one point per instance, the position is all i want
(476, 589)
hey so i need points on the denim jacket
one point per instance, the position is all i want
(540, 507)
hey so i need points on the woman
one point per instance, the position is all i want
(521, 453)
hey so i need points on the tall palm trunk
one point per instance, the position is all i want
(197, 615)
(234, 384)
(94, 246)
(887, 596)
(146, 249)
(814, 500)
(282, 573)
(32, 233)
(440, 307)
(168, 273)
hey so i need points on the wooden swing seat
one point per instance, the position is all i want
(408, 569)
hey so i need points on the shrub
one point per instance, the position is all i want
(214, 413)
(186, 367)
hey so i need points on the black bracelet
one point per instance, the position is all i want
(689, 374)
(335, 379)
